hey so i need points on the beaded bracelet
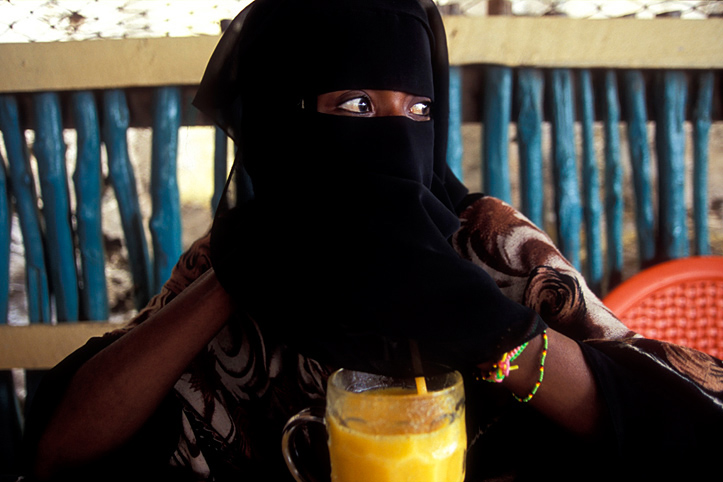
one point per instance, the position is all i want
(529, 396)
(502, 368)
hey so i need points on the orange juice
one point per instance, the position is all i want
(395, 435)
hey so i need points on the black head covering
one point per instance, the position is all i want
(343, 245)
(277, 54)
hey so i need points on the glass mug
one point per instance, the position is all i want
(385, 429)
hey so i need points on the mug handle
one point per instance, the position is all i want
(288, 444)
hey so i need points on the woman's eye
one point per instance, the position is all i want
(357, 105)
(421, 109)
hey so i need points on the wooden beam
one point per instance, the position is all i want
(99, 64)
(562, 42)
(514, 41)
(41, 346)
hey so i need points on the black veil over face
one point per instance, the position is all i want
(277, 54)
(343, 247)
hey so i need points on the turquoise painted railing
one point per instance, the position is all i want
(60, 287)
(88, 180)
(26, 205)
(78, 287)
(120, 171)
(566, 97)
(63, 288)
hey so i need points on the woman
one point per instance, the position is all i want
(344, 240)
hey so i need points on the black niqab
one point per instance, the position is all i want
(343, 248)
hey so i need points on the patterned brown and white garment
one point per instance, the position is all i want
(240, 390)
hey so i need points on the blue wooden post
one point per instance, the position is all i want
(496, 121)
(592, 208)
(567, 198)
(530, 86)
(671, 96)
(88, 192)
(122, 178)
(634, 98)
(455, 145)
(5, 224)
(701, 128)
(613, 180)
(220, 166)
(23, 189)
(49, 150)
(165, 223)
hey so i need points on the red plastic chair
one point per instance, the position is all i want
(679, 301)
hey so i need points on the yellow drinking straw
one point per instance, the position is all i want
(417, 364)
(421, 385)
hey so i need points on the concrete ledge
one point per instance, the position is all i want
(43, 346)
(514, 41)
(101, 64)
(562, 42)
